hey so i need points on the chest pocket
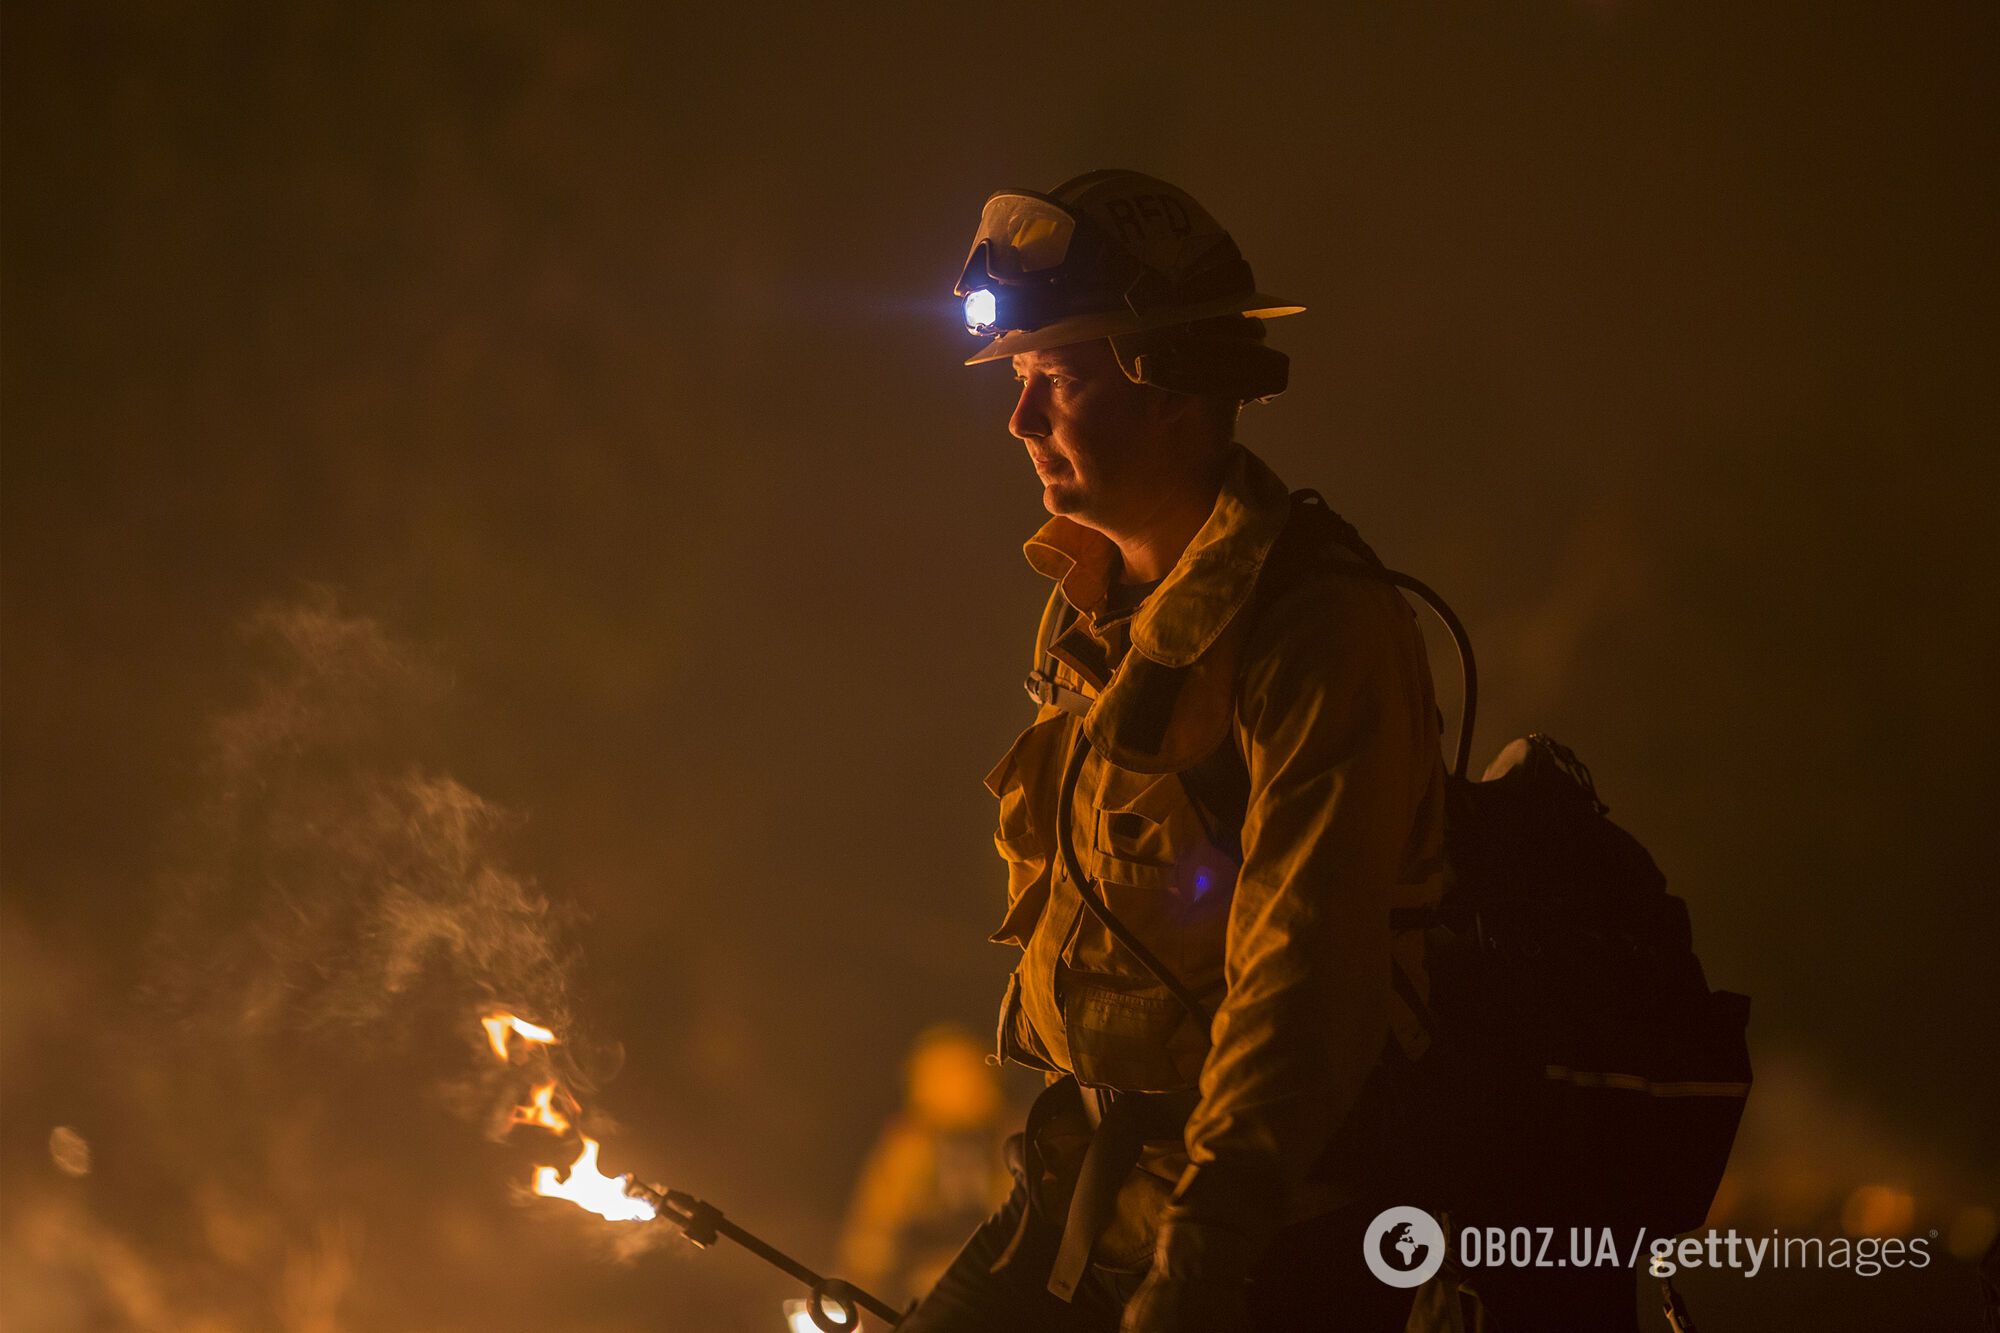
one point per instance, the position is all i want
(1141, 840)
(1146, 834)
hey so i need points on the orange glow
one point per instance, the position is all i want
(1878, 1210)
(587, 1188)
(1972, 1230)
(500, 1027)
(541, 1110)
(1728, 1194)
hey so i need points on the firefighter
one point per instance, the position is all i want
(1231, 781)
(934, 1172)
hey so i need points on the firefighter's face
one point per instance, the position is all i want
(1097, 440)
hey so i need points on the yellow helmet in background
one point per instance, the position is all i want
(1131, 258)
(947, 1080)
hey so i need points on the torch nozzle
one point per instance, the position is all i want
(702, 1223)
(835, 1306)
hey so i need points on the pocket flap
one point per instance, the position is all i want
(1028, 753)
(1151, 797)
(1016, 835)
(1136, 837)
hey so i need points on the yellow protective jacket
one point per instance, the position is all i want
(1326, 694)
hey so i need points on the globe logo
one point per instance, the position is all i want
(1404, 1247)
(1403, 1238)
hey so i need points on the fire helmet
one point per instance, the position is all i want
(1126, 257)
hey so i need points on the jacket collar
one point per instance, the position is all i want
(1206, 587)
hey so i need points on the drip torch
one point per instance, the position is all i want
(834, 1306)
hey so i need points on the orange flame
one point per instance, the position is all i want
(500, 1026)
(588, 1188)
(541, 1110)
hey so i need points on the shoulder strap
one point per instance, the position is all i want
(1314, 536)
(1323, 534)
(1041, 684)
(1219, 786)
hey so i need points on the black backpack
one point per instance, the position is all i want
(1581, 1072)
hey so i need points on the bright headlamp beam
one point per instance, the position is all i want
(980, 310)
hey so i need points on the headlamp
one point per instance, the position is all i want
(1021, 271)
(981, 311)
(1112, 254)
(994, 308)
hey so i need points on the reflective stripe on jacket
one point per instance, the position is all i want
(1327, 697)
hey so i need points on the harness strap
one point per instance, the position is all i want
(1113, 1153)
(1043, 688)
(1128, 1122)
(1219, 785)
(1120, 1126)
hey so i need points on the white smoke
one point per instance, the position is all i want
(274, 1112)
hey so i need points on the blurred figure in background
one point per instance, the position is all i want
(935, 1173)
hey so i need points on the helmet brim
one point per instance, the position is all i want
(1113, 323)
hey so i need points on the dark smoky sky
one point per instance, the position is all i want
(607, 358)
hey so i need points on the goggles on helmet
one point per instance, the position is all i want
(1107, 254)
(1029, 264)
(1023, 234)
